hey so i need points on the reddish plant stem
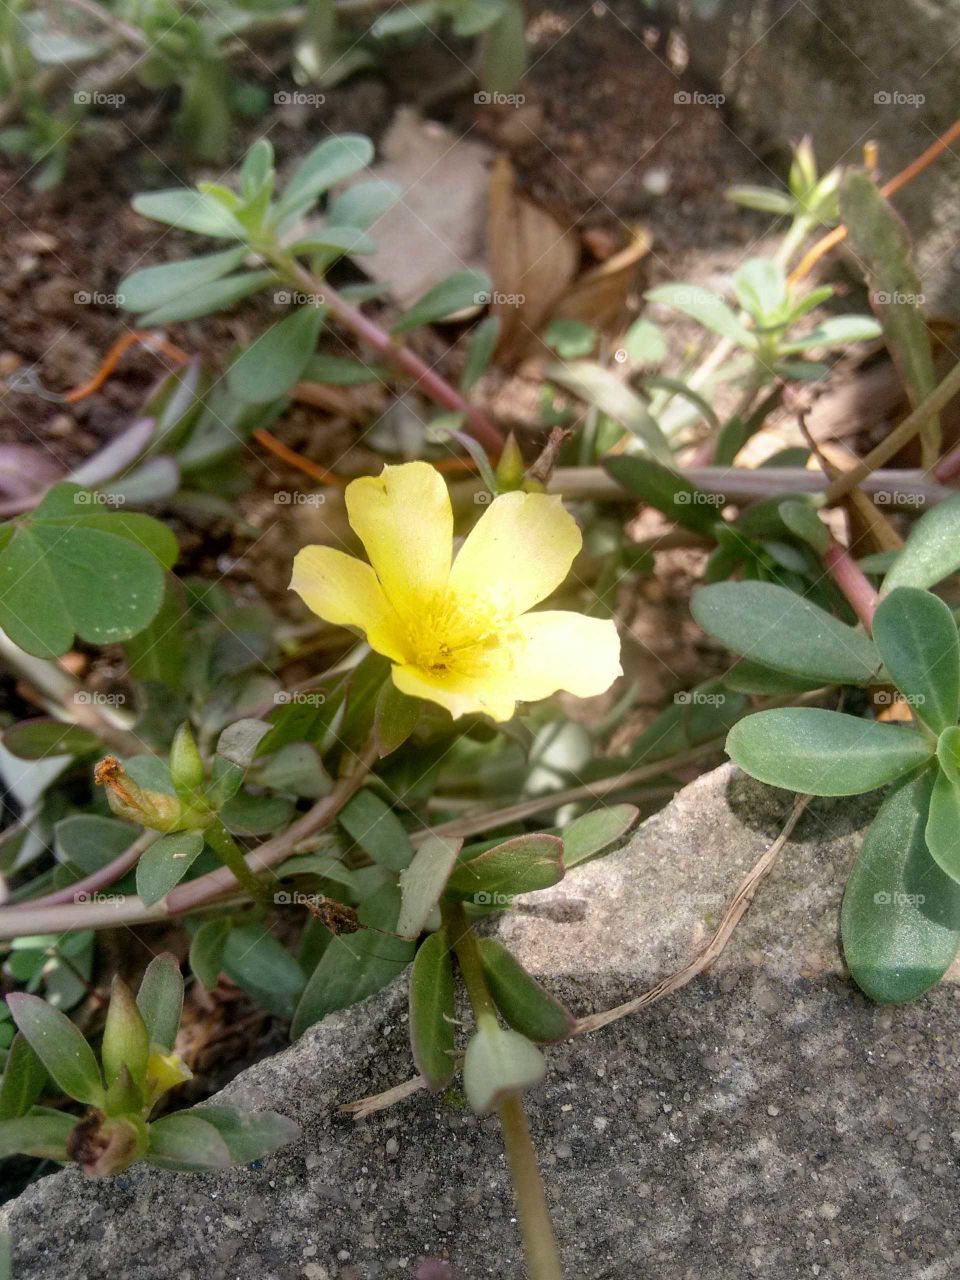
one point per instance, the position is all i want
(852, 581)
(430, 382)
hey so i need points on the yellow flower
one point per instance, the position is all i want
(458, 631)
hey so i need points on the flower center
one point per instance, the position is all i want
(448, 635)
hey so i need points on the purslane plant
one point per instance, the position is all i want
(901, 909)
(137, 1068)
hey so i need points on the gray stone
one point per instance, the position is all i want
(765, 1121)
(846, 71)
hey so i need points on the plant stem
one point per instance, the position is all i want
(853, 582)
(225, 847)
(539, 1241)
(430, 382)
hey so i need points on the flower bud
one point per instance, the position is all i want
(186, 763)
(103, 1146)
(499, 1063)
(511, 466)
(154, 809)
(164, 1072)
(126, 1042)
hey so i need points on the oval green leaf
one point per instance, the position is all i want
(432, 1011)
(917, 638)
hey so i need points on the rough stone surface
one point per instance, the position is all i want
(766, 1121)
(846, 71)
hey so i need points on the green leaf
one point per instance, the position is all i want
(917, 638)
(943, 825)
(781, 630)
(880, 241)
(249, 1135)
(836, 331)
(126, 1041)
(239, 741)
(601, 388)
(255, 960)
(394, 719)
(483, 343)
(371, 824)
(498, 1064)
(900, 920)
(249, 815)
(186, 1141)
(275, 361)
(24, 1078)
(660, 487)
(157, 286)
(296, 768)
(353, 966)
(90, 842)
(524, 1003)
(206, 951)
(761, 288)
(459, 291)
(802, 521)
(160, 999)
(43, 1136)
(422, 883)
(41, 738)
(765, 199)
(189, 211)
(824, 753)
(503, 50)
(704, 306)
(363, 203)
(521, 865)
(932, 550)
(432, 1035)
(470, 17)
(206, 298)
(60, 1046)
(165, 863)
(644, 342)
(330, 162)
(587, 836)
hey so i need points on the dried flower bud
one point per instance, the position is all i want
(103, 1146)
(154, 809)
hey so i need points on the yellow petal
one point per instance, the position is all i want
(519, 552)
(461, 694)
(343, 590)
(404, 520)
(538, 655)
(555, 650)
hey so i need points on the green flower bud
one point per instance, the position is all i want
(186, 763)
(126, 1042)
(154, 809)
(511, 466)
